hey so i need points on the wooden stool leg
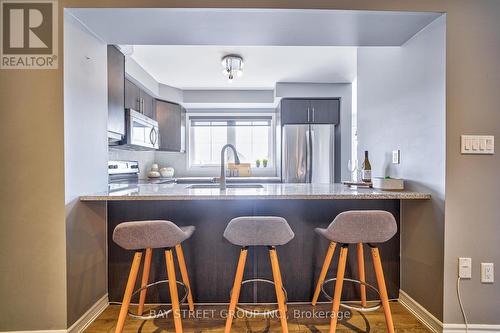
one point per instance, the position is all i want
(338, 288)
(284, 297)
(184, 274)
(144, 281)
(382, 289)
(129, 289)
(278, 285)
(236, 288)
(361, 270)
(324, 270)
(176, 311)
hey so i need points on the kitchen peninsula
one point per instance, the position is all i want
(211, 260)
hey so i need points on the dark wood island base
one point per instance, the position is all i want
(211, 260)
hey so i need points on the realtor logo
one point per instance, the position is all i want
(29, 34)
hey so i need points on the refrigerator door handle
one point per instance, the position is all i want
(308, 168)
(311, 152)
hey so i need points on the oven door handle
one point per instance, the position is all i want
(153, 136)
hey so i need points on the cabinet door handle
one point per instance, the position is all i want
(308, 114)
(313, 114)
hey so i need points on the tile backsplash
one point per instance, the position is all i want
(145, 158)
(171, 159)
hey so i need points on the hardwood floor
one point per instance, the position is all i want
(210, 318)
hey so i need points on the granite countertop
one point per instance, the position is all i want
(268, 191)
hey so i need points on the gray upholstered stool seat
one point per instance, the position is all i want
(258, 231)
(360, 226)
(154, 234)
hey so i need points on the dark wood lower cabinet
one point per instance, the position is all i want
(211, 260)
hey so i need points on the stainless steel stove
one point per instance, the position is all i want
(125, 175)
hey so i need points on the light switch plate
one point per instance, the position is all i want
(487, 272)
(396, 157)
(465, 268)
(478, 144)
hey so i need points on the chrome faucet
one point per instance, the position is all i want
(223, 164)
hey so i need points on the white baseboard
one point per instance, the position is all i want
(88, 317)
(473, 328)
(435, 325)
(82, 323)
(424, 316)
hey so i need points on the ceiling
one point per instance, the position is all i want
(199, 67)
(182, 47)
(225, 26)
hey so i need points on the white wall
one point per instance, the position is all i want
(401, 105)
(319, 90)
(85, 165)
(143, 79)
(306, 90)
(228, 96)
(179, 160)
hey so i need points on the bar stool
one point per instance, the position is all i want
(357, 227)
(149, 235)
(270, 231)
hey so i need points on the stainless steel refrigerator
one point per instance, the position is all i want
(308, 153)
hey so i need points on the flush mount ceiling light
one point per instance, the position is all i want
(233, 66)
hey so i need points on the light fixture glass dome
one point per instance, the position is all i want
(233, 66)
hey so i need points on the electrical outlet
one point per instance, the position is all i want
(465, 268)
(487, 272)
(396, 155)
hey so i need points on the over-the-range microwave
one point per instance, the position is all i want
(141, 132)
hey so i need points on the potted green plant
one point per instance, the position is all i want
(257, 163)
(264, 163)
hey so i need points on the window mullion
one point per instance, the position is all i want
(231, 135)
(231, 138)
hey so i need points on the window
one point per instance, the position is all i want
(251, 135)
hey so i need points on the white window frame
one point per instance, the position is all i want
(272, 163)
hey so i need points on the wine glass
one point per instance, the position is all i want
(352, 166)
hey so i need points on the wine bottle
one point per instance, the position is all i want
(366, 173)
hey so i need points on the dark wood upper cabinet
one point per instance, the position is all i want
(171, 125)
(325, 111)
(294, 111)
(132, 95)
(147, 104)
(310, 111)
(139, 100)
(116, 94)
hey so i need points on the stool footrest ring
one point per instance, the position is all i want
(353, 307)
(259, 313)
(162, 313)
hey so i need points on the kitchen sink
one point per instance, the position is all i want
(195, 186)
